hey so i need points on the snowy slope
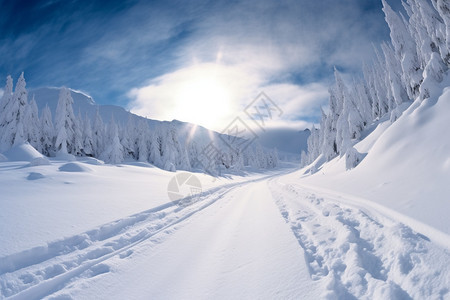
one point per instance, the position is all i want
(407, 167)
(83, 104)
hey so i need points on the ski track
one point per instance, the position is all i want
(359, 257)
(41, 271)
(354, 255)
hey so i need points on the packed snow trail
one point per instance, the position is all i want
(235, 243)
(70, 264)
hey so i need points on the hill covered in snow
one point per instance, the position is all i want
(60, 121)
(384, 137)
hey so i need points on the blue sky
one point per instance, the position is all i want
(142, 54)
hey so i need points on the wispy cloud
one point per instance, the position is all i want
(285, 48)
(136, 53)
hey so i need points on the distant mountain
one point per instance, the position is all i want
(288, 142)
(83, 104)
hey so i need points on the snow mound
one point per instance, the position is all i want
(92, 161)
(23, 152)
(39, 161)
(65, 156)
(74, 167)
(35, 176)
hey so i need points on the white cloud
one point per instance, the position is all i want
(213, 94)
(251, 45)
(208, 94)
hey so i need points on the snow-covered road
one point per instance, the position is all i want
(263, 239)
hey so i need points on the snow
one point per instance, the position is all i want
(35, 176)
(68, 199)
(23, 152)
(39, 161)
(366, 219)
(353, 250)
(74, 167)
(238, 248)
(259, 236)
(407, 173)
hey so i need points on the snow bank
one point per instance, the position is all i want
(23, 152)
(74, 167)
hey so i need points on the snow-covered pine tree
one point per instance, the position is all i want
(13, 113)
(4, 103)
(143, 141)
(156, 147)
(47, 132)
(98, 133)
(128, 138)
(32, 125)
(66, 125)
(405, 50)
(181, 155)
(88, 140)
(114, 150)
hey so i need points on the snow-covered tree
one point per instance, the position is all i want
(113, 152)
(142, 149)
(32, 125)
(47, 132)
(88, 140)
(13, 114)
(98, 132)
(408, 68)
(66, 126)
(156, 147)
(128, 138)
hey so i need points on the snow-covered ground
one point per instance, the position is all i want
(81, 229)
(262, 236)
(41, 203)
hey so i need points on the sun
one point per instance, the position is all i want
(203, 99)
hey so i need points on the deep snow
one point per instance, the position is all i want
(407, 167)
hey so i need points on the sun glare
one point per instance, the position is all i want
(203, 100)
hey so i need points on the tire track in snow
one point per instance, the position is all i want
(357, 256)
(41, 271)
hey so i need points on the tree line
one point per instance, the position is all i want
(112, 142)
(406, 69)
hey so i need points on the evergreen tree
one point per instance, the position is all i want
(66, 126)
(32, 125)
(98, 132)
(114, 150)
(13, 114)
(88, 140)
(47, 132)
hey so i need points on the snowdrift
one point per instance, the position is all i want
(74, 167)
(23, 152)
